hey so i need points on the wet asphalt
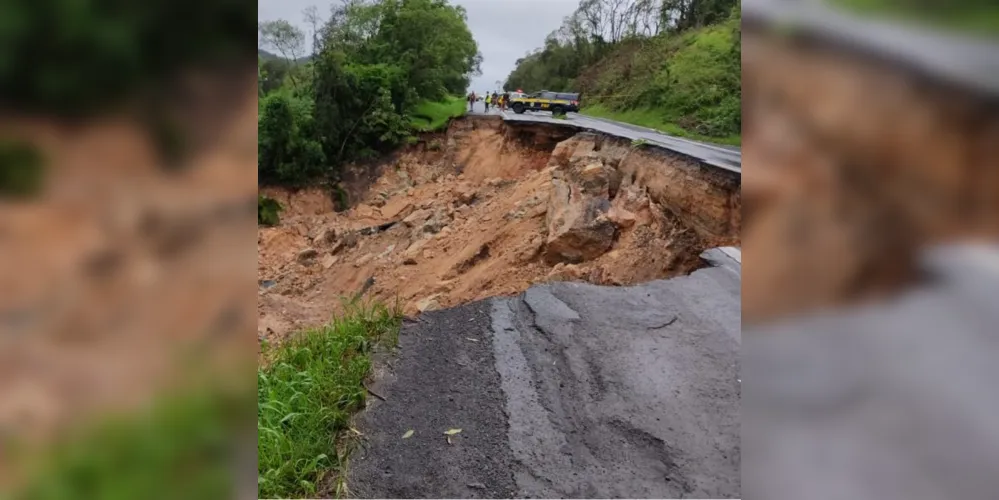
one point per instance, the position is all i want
(567, 390)
(724, 157)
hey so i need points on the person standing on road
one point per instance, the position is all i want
(485, 100)
(506, 100)
(471, 102)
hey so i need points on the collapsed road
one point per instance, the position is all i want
(724, 157)
(566, 390)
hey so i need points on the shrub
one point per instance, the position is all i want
(288, 153)
(22, 171)
(268, 211)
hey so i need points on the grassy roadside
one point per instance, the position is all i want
(652, 119)
(429, 116)
(306, 393)
(184, 446)
(979, 18)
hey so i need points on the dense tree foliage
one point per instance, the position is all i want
(73, 56)
(677, 58)
(374, 62)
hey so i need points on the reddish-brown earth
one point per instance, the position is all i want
(474, 213)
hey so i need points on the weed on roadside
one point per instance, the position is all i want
(306, 392)
(184, 446)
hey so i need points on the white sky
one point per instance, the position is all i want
(505, 30)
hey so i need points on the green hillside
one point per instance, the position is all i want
(977, 17)
(687, 85)
(684, 80)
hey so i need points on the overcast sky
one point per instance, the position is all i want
(506, 30)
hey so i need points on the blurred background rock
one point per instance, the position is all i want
(127, 277)
(871, 195)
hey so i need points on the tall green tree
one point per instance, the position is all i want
(374, 61)
(79, 56)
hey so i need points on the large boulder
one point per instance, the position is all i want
(578, 226)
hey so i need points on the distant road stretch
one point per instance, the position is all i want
(725, 157)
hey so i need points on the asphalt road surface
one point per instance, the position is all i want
(569, 390)
(968, 61)
(726, 157)
(888, 400)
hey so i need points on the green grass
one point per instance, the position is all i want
(184, 446)
(980, 18)
(306, 393)
(653, 119)
(429, 116)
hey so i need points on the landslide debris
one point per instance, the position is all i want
(490, 215)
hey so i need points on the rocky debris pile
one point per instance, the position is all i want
(438, 239)
(587, 205)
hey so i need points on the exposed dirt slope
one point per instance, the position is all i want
(121, 267)
(464, 217)
(842, 191)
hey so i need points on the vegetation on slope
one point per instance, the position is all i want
(381, 69)
(306, 393)
(68, 56)
(691, 82)
(970, 16)
(429, 116)
(672, 65)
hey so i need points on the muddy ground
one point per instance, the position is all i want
(122, 267)
(471, 213)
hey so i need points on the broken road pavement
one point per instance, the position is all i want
(567, 390)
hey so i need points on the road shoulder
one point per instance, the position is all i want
(442, 378)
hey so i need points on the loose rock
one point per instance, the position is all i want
(326, 236)
(307, 255)
(465, 193)
(621, 217)
(428, 303)
(329, 260)
(417, 217)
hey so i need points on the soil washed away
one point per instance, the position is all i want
(488, 209)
